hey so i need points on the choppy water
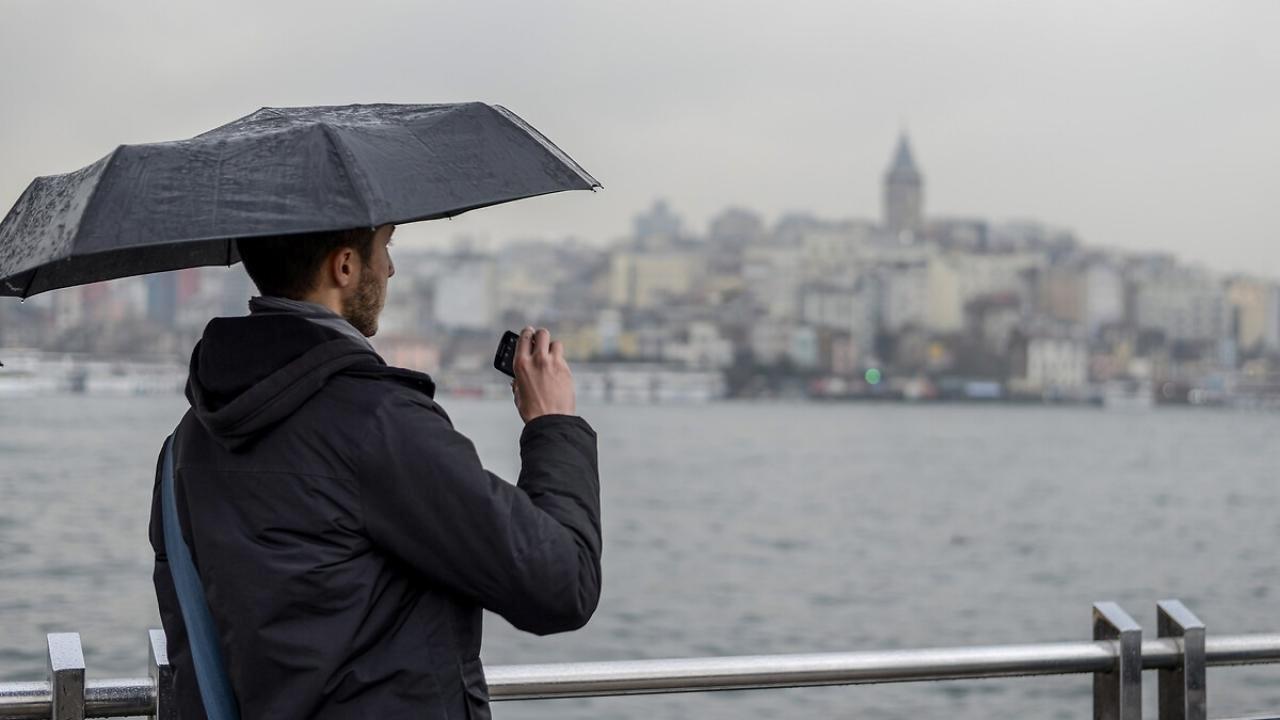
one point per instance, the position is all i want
(757, 528)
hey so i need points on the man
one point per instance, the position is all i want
(347, 537)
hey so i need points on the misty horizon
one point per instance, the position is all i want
(1144, 127)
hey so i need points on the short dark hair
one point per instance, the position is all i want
(288, 265)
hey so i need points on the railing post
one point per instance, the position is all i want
(66, 676)
(162, 675)
(1117, 695)
(1182, 690)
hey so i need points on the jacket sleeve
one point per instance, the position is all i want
(529, 552)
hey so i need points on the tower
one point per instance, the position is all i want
(903, 195)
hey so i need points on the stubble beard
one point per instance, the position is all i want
(362, 309)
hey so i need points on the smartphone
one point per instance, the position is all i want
(506, 355)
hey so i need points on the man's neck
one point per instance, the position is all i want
(329, 300)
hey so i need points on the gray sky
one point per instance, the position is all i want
(1143, 125)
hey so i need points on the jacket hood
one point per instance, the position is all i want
(248, 373)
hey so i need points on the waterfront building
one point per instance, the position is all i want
(1185, 304)
(530, 278)
(1061, 293)
(767, 341)
(984, 275)
(904, 295)
(200, 293)
(733, 230)
(791, 227)
(1030, 235)
(923, 293)
(162, 298)
(464, 296)
(1255, 307)
(68, 308)
(653, 335)
(409, 308)
(774, 343)
(843, 355)
(773, 275)
(646, 280)
(657, 227)
(1104, 294)
(992, 319)
(699, 346)
(1051, 363)
(609, 333)
(736, 226)
(804, 348)
(1085, 292)
(190, 281)
(835, 251)
(961, 234)
(847, 312)
(114, 301)
(581, 340)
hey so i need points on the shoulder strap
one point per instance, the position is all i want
(211, 673)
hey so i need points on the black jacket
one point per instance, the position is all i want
(347, 536)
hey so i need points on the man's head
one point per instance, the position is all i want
(346, 271)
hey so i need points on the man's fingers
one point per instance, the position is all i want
(557, 349)
(524, 347)
(542, 341)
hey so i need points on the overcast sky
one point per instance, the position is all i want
(1142, 125)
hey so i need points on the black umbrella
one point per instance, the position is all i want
(164, 206)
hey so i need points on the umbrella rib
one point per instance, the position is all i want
(340, 147)
(30, 281)
(217, 186)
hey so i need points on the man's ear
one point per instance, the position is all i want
(342, 267)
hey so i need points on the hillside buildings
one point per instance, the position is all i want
(907, 305)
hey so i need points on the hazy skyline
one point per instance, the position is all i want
(1142, 126)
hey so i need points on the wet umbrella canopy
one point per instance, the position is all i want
(163, 206)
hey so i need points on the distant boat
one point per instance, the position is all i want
(25, 374)
(19, 383)
(1128, 395)
(29, 372)
(646, 383)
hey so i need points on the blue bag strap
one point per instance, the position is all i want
(211, 673)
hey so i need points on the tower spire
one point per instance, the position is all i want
(903, 193)
(903, 161)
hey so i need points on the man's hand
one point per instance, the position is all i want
(543, 384)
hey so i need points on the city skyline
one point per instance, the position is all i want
(946, 306)
(903, 214)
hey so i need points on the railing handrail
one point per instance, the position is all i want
(122, 697)
(748, 672)
(1178, 658)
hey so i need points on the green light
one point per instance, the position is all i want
(873, 376)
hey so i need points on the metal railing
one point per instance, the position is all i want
(1115, 657)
